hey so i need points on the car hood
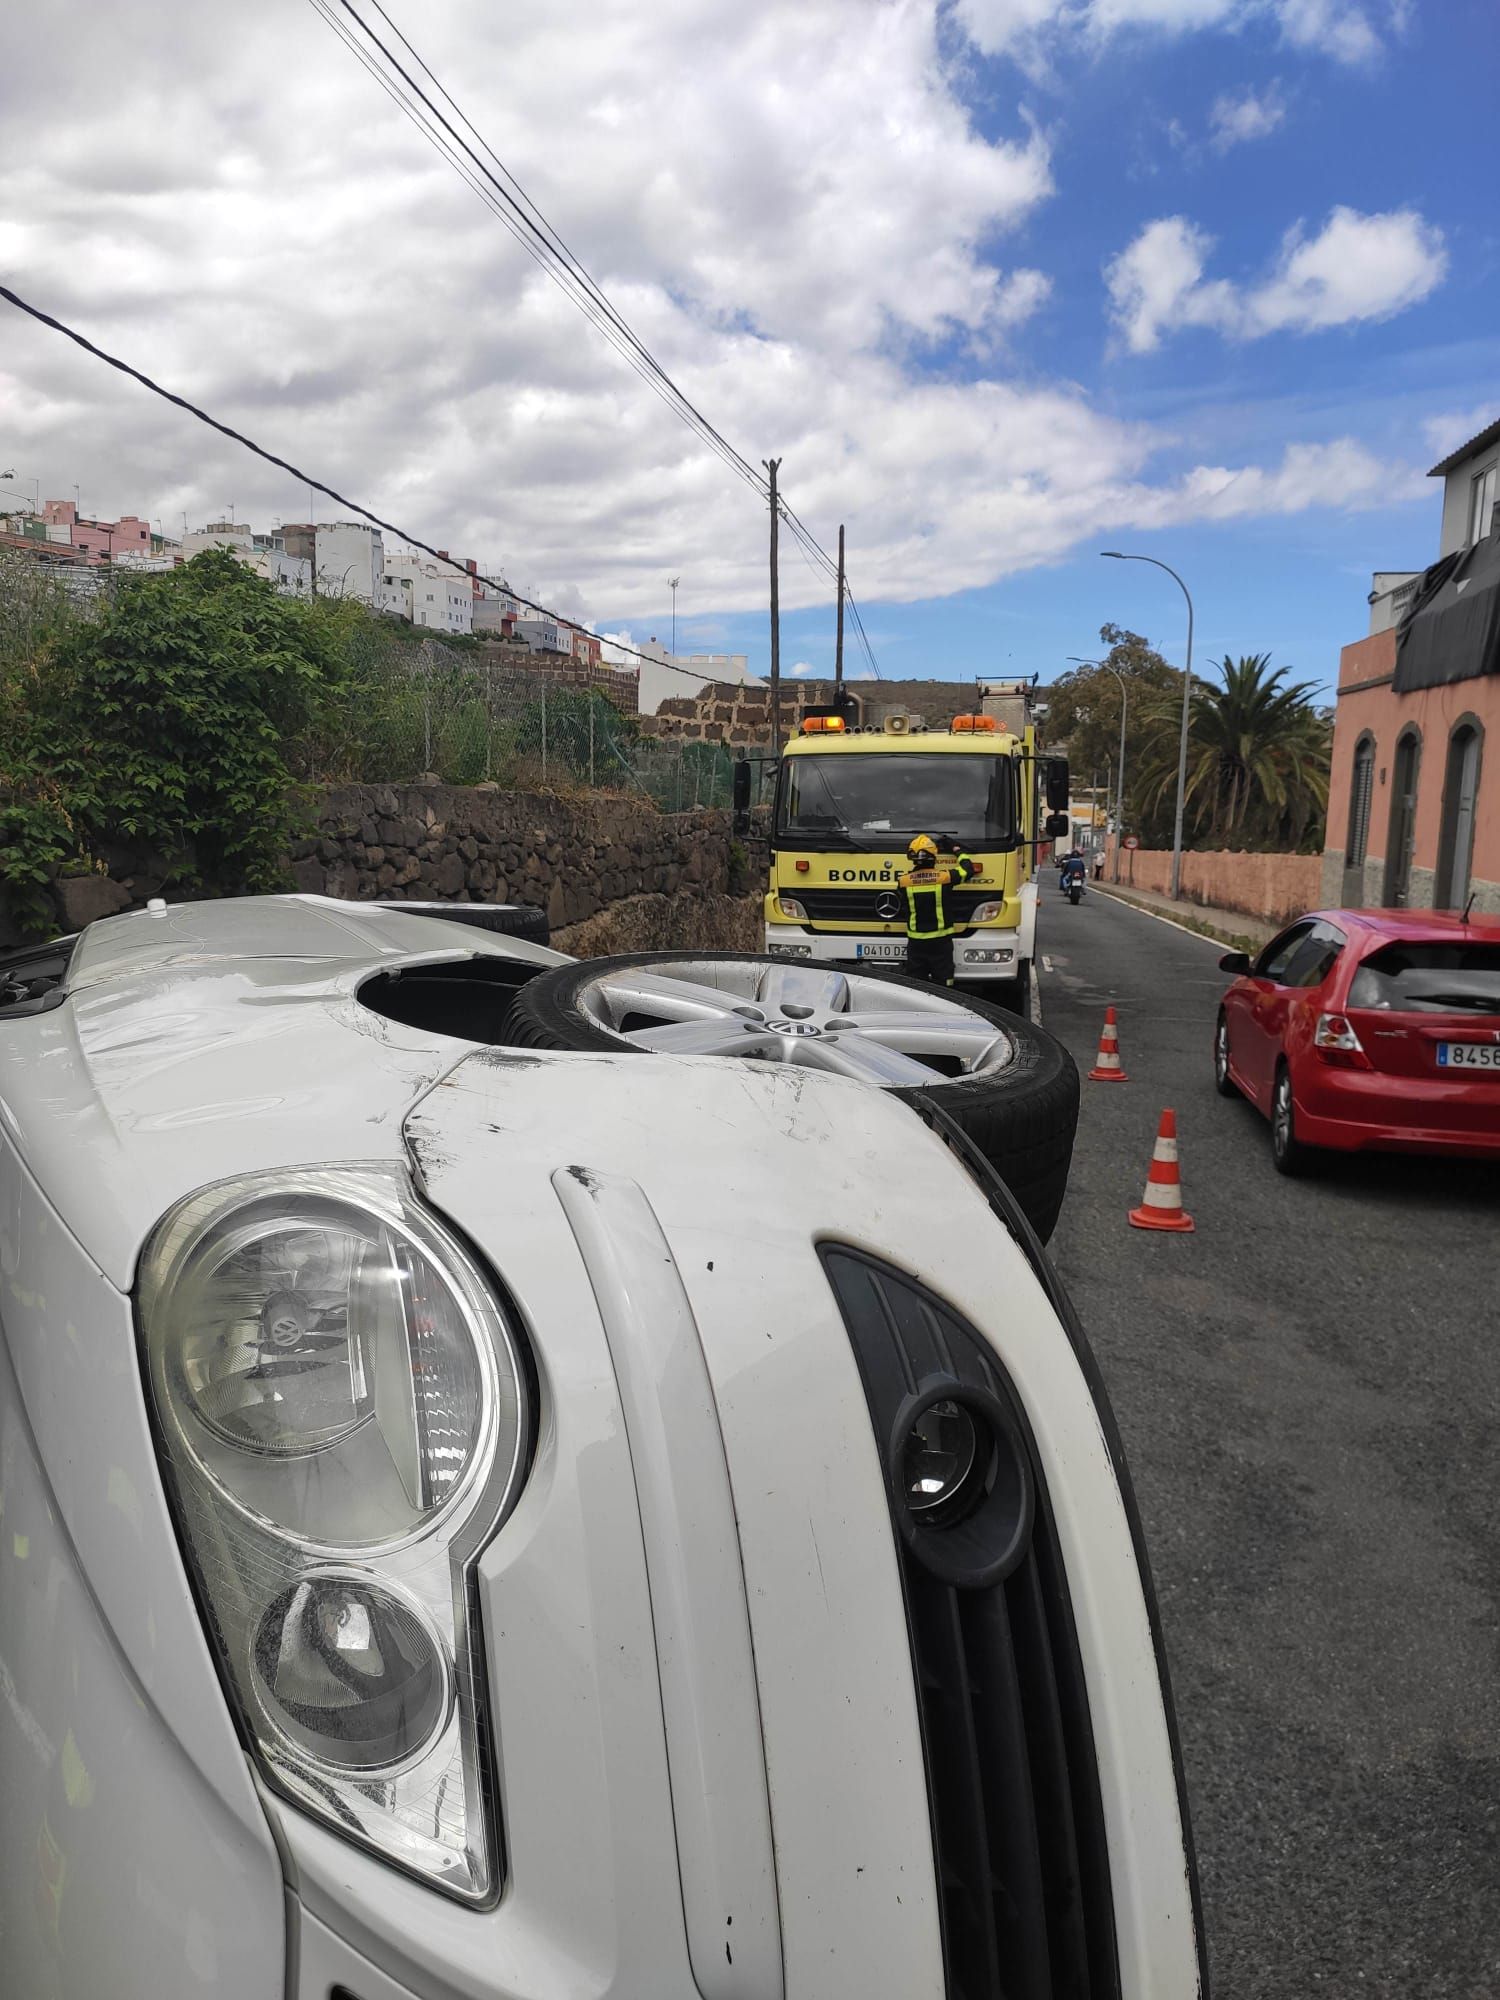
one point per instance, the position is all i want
(212, 1039)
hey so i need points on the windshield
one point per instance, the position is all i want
(881, 800)
(1430, 978)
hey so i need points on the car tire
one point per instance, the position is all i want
(1224, 1083)
(1022, 1117)
(1288, 1154)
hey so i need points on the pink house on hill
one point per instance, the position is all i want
(99, 541)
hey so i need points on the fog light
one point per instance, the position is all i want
(789, 950)
(938, 1461)
(961, 1482)
(349, 1673)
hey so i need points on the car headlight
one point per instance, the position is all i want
(988, 913)
(790, 907)
(343, 1413)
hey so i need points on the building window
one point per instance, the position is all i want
(1361, 792)
(1403, 826)
(1460, 810)
(1482, 498)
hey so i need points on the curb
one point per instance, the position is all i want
(1205, 932)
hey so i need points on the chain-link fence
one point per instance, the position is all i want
(468, 718)
(471, 713)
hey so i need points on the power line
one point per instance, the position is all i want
(519, 214)
(306, 479)
(537, 238)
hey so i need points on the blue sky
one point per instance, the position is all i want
(1131, 127)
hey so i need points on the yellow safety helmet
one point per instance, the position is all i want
(924, 849)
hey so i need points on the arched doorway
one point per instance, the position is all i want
(1403, 825)
(1460, 807)
(1356, 846)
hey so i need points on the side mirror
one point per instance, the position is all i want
(742, 786)
(1057, 785)
(1235, 961)
(1055, 825)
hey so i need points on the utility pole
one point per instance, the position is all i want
(672, 583)
(773, 466)
(838, 644)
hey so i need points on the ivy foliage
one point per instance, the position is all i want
(163, 721)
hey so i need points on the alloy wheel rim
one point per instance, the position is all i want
(1221, 1050)
(1281, 1115)
(846, 1024)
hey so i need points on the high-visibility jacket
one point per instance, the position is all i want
(927, 914)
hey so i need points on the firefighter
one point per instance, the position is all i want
(929, 926)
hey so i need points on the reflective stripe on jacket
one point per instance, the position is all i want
(926, 911)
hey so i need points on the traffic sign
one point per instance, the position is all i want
(1131, 840)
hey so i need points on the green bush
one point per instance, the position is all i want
(163, 721)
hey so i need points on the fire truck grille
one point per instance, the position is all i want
(862, 906)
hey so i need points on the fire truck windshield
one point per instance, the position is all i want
(881, 799)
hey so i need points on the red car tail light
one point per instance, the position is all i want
(1337, 1044)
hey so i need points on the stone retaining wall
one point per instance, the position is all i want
(570, 857)
(576, 858)
(669, 923)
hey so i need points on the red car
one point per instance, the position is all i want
(1368, 1029)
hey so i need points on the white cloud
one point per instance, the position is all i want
(1236, 120)
(1022, 294)
(1032, 30)
(789, 202)
(1446, 433)
(1358, 267)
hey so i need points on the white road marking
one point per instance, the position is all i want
(1141, 910)
(1046, 963)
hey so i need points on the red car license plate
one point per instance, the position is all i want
(1468, 1055)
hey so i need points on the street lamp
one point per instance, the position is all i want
(1120, 780)
(1117, 555)
(672, 583)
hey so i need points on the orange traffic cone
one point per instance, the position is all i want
(1107, 1065)
(1161, 1204)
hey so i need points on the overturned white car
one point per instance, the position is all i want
(513, 1522)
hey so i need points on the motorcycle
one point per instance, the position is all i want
(1074, 887)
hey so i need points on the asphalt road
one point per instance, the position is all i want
(1309, 1393)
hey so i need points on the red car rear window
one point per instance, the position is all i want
(1412, 978)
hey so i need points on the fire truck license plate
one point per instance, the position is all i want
(886, 951)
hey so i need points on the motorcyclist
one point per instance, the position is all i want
(1074, 869)
(929, 923)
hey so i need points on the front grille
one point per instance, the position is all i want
(1017, 1822)
(857, 906)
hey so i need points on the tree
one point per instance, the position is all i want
(164, 721)
(1084, 714)
(1258, 757)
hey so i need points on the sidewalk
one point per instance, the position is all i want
(1233, 928)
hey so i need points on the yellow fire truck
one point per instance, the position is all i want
(848, 801)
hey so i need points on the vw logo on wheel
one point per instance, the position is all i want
(793, 1028)
(888, 906)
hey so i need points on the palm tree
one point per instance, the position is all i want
(1257, 756)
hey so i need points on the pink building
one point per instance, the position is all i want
(1414, 793)
(99, 541)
